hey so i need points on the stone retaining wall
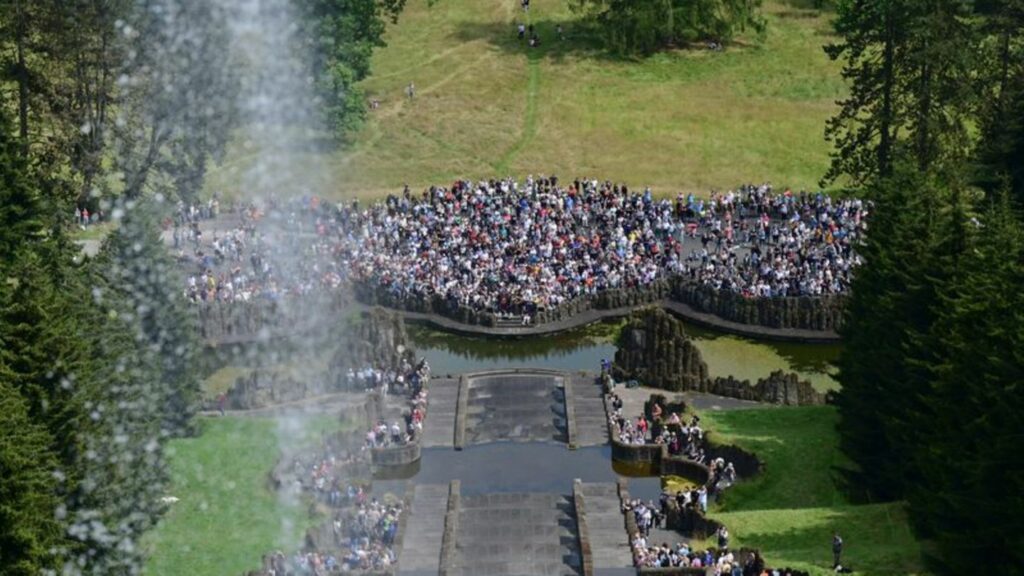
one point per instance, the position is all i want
(232, 322)
(582, 530)
(746, 464)
(451, 530)
(396, 455)
(818, 313)
(228, 322)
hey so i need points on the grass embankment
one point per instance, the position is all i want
(487, 105)
(791, 510)
(228, 516)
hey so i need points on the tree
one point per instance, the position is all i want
(137, 268)
(964, 499)
(176, 107)
(646, 26)
(1001, 145)
(28, 496)
(341, 37)
(43, 351)
(909, 256)
(910, 86)
(64, 58)
(20, 205)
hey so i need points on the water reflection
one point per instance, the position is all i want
(583, 349)
(579, 349)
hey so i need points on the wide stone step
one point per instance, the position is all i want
(421, 546)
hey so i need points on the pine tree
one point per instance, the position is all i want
(122, 469)
(44, 352)
(646, 26)
(20, 219)
(137, 265)
(967, 497)
(1001, 146)
(884, 366)
(910, 86)
(28, 489)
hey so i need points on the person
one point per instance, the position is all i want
(526, 5)
(410, 90)
(723, 538)
(221, 401)
(522, 31)
(837, 549)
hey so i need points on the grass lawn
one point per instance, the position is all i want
(228, 516)
(98, 231)
(791, 510)
(487, 105)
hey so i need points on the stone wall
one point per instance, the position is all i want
(232, 322)
(378, 340)
(777, 388)
(821, 313)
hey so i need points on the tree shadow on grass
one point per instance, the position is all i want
(578, 40)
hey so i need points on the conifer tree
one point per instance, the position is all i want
(909, 256)
(910, 86)
(966, 499)
(138, 266)
(20, 220)
(29, 529)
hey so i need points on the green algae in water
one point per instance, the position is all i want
(748, 359)
(673, 484)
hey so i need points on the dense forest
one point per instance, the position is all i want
(117, 107)
(933, 354)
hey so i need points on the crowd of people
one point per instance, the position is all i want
(363, 541)
(514, 247)
(409, 381)
(682, 438)
(325, 474)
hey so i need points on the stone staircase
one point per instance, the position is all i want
(508, 321)
(591, 422)
(421, 547)
(517, 534)
(606, 526)
(438, 428)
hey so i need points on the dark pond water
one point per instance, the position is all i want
(505, 467)
(583, 349)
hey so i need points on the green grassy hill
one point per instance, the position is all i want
(791, 510)
(487, 105)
